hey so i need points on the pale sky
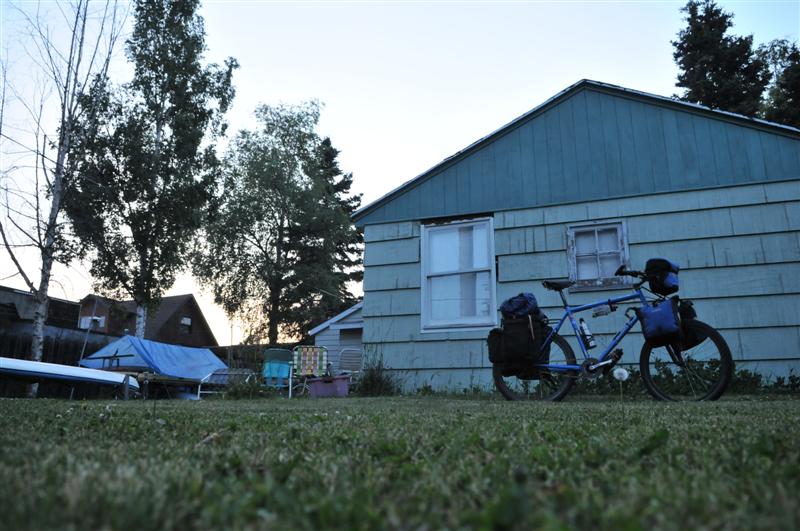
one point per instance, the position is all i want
(407, 84)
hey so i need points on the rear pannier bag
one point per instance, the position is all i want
(661, 323)
(662, 275)
(518, 341)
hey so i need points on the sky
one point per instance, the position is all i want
(407, 84)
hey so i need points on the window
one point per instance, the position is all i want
(458, 275)
(94, 321)
(186, 325)
(595, 253)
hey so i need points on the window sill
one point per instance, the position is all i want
(577, 288)
(443, 329)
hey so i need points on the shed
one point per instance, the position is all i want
(595, 177)
(344, 331)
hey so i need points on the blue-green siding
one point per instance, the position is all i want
(739, 248)
(593, 144)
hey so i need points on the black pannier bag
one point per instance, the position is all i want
(662, 276)
(661, 323)
(517, 345)
(691, 335)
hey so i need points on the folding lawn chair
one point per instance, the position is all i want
(277, 370)
(350, 361)
(309, 362)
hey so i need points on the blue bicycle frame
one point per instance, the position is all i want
(569, 312)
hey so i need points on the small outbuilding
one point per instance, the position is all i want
(342, 332)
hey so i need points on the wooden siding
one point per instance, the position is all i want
(739, 249)
(595, 144)
(335, 338)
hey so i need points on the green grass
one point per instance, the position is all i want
(410, 463)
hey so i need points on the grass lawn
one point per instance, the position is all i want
(416, 463)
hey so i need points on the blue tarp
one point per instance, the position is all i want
(160, 358)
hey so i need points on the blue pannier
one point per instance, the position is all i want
(662, 275)
(661, 323)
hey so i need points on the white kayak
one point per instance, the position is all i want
(54, 371)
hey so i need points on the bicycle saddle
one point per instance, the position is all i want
(557, 285)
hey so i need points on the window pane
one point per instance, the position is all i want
(443, 250)
(457, 296)
(458, 248)
(585, 242)
(608, 264)
(587, 267)
(608, 240)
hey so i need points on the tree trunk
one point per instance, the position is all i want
(141, 320)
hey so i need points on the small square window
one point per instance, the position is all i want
(595, 252)
(186, 325)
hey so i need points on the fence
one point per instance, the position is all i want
(65, 351)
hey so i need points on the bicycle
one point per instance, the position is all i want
(701, 371)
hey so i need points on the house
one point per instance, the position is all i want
(340, 332)
(595, 177)
(178, 320)
(17, 309)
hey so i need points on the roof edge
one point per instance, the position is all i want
(319, 328)
(554, 100)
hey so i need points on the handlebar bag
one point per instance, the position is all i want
(661, 323)
(662, 274)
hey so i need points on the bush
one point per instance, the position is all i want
(247, 389)
(376, 380)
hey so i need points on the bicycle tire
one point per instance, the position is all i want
(511, 386)
(705, 374)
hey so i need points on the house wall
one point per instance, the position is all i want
(170, 331)
(738, 247)
(335, 339)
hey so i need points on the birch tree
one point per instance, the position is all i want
(148, 169)
(67, 47)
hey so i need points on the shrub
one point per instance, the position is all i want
(376, 380)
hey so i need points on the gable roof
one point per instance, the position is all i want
(382, 210)
(351, 310)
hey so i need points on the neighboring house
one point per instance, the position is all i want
(595, 177)
(17, 309)
(340, 332)
(178, 320)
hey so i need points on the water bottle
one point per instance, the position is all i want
(588, 338)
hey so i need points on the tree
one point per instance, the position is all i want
(718, 70)
(139, 193)
(782, 104)
(281, 249)
(66, 59)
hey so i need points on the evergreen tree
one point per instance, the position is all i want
(783, 97)
(718, 70)
(139, 193)
(281, 248)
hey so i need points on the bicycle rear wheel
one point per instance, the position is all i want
(701, 372)
(546, 385)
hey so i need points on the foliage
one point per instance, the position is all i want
(281, 248)
(783, 99)
(148, 165)
(392, 463)
(718, 70)
(247, 389)
(375, 379)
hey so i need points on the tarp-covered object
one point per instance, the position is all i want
(160, 358)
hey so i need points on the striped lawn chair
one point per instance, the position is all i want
(309, 362)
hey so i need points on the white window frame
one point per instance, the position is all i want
(602, 282)
(464, 324)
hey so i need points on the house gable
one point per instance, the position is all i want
(595, 141)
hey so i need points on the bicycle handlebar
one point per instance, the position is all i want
(622, 272)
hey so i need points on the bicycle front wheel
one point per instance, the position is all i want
(532, 383)
(701, 372)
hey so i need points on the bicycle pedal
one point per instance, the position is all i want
(615, 356)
